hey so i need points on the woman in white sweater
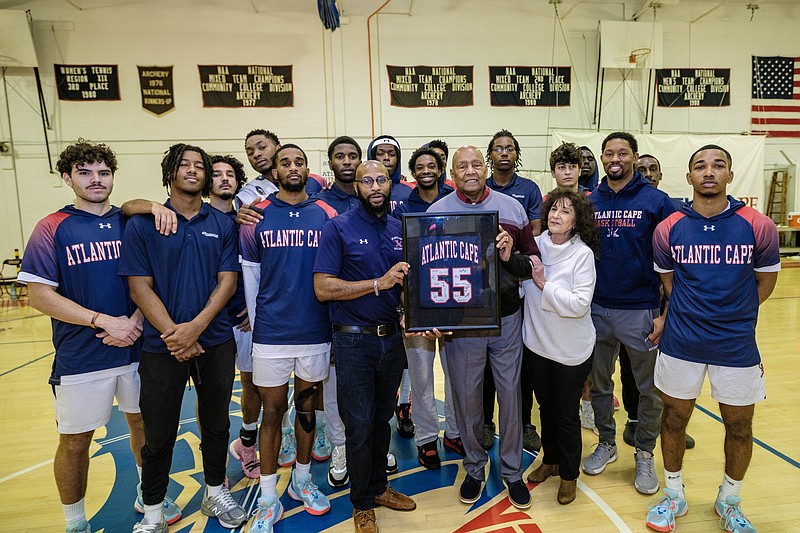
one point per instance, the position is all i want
(558, 329)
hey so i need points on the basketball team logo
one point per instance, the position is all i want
(489, 514)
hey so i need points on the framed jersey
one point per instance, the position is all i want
(453, 279)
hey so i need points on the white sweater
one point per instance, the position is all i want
(558, 320)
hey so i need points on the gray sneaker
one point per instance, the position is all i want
(646, 478)
(602, 455)
(229, 513)
(160, 527)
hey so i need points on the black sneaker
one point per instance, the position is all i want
(487, 440)
(629, 432)
(518, 494)
(454, 444)
(405, 427)
(470, 490)
(428, 455)
(689, 442)
(530, 439)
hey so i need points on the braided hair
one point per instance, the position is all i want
(172, 159)
(498, 135)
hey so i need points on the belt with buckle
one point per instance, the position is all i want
(380, 330)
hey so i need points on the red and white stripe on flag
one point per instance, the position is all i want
(775, 107)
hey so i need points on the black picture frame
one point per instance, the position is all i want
(454, 275)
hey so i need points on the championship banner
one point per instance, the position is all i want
(246, 85)
(158, 96)
(706, 87)
(424, 86)
(83, 83)
(530, 86)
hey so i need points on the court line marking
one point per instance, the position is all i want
(26, 470)
(21, 318)
(607, 510)
(761, 443)
(100, 442)
(23, 342)
(23, 365)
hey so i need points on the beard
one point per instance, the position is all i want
(294, 187)
(377, 211)
(226, 196)
(617, 177)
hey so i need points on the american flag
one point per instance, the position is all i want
(776, 96)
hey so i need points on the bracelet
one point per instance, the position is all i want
(92, 324)
(375, 287)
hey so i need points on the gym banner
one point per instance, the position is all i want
(246, 85)
(424, 86)
(158, 97)
(83, 83)
(693, 87)
(530, 86)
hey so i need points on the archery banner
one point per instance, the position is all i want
(424, 86)
(695, 87)
(530, 86)
(453, 279)
(83, 83)
(246, 85)
(158, 97)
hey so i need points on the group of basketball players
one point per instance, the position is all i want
(287, 276)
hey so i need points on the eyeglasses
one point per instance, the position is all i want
(506, 149)
(368, 181)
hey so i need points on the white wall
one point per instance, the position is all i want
(331, 80)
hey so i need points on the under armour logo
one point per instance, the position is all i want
(708, 228)
(105, 226)
(295, 214)
(363, 241)
(613, 232)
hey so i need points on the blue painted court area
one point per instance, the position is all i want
(117, 514)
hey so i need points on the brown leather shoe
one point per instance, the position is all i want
(364, 520)
(566, 491)
(542, 472)
(394, 500)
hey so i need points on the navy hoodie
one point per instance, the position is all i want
(626, 221)
(592, 183)
(400, 188)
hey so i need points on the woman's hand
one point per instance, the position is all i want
(537, 273)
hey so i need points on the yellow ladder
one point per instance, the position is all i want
(777, 197)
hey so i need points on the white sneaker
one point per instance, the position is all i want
(391, 463)
(587, 417)
(160, 527)
(337, 471)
